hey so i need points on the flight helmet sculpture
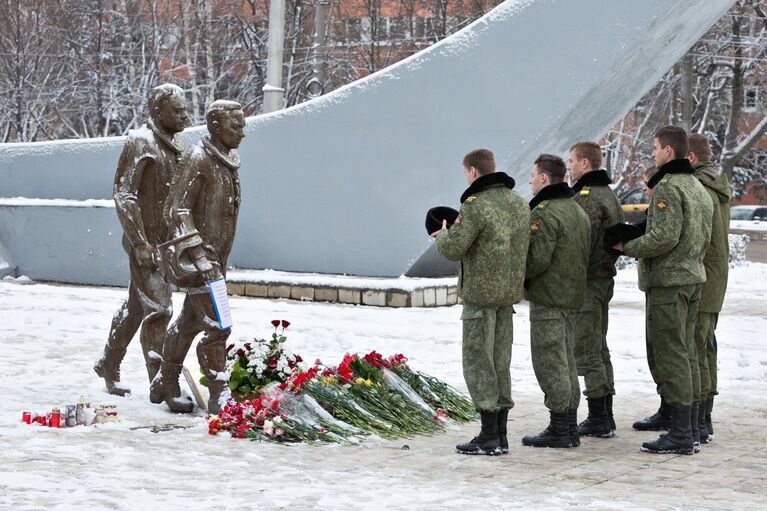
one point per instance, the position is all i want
(148, 162)
(201, 212)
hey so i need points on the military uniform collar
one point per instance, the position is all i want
(706, 170)
(488, 181)
(174, 144)
(231, 160)
(592, 178)
(555, 191)
(678, 166)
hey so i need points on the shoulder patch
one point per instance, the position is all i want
(471, 198)
(585, 191)
(535, 225)
(665, 179)
(661, 204)
(541, 205)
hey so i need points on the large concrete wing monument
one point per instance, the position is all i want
(341, 183)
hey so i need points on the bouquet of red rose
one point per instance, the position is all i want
(275, 416)
(334, 396)
(281, 400)
(366, 380)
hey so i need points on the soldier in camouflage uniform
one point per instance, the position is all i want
(490, 239)
(555, 283)
(592, 356)
(716, 263)
(671, 272)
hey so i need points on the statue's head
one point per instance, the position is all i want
(226, 123)
(167, 107)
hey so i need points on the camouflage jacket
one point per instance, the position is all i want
(560, 242)
(147, 165)
(717, 256)
(598, 200)
(678, 229)
(490, 238)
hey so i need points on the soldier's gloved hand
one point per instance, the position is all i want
(145, 255)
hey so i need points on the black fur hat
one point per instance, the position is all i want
(621, 233)
(435, 216)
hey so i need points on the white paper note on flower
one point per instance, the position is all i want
(217, 291)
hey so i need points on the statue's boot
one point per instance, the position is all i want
(125, 323)
(166, 382)
(212, 356)
(152, 337)
(170, 375)
(108, 368)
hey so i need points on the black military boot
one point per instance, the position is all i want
(659, 421)
(557, 434)
(709, 424)
(572, 427)
(609, 408)
(694, 431)
(487, 441)
(598, 422)
(503, 417)
(702, 426)
(679, 438)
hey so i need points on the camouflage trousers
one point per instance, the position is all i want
(704, 346)
(592, 357)
(488, 334)
(552, 342)
(671, 314)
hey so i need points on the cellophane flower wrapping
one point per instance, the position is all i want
(436, 393)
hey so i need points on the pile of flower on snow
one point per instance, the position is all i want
(277, 397)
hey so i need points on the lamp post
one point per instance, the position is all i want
(274, 93)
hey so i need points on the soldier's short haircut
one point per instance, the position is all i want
(219, 108)
(675, 137)
(589, 150)
(162, 93)
(553, 166)
(699, 145)
(481, 159)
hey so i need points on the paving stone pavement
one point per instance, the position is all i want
(728, 473)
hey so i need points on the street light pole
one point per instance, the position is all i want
(274, 93)
(316, 86)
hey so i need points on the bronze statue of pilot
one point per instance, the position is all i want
(201, 213)
(148, 163)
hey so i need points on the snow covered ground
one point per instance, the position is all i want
(50, 336)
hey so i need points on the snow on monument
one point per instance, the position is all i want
(340, 184)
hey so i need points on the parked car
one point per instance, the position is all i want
(635, 203)
(757, 212)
